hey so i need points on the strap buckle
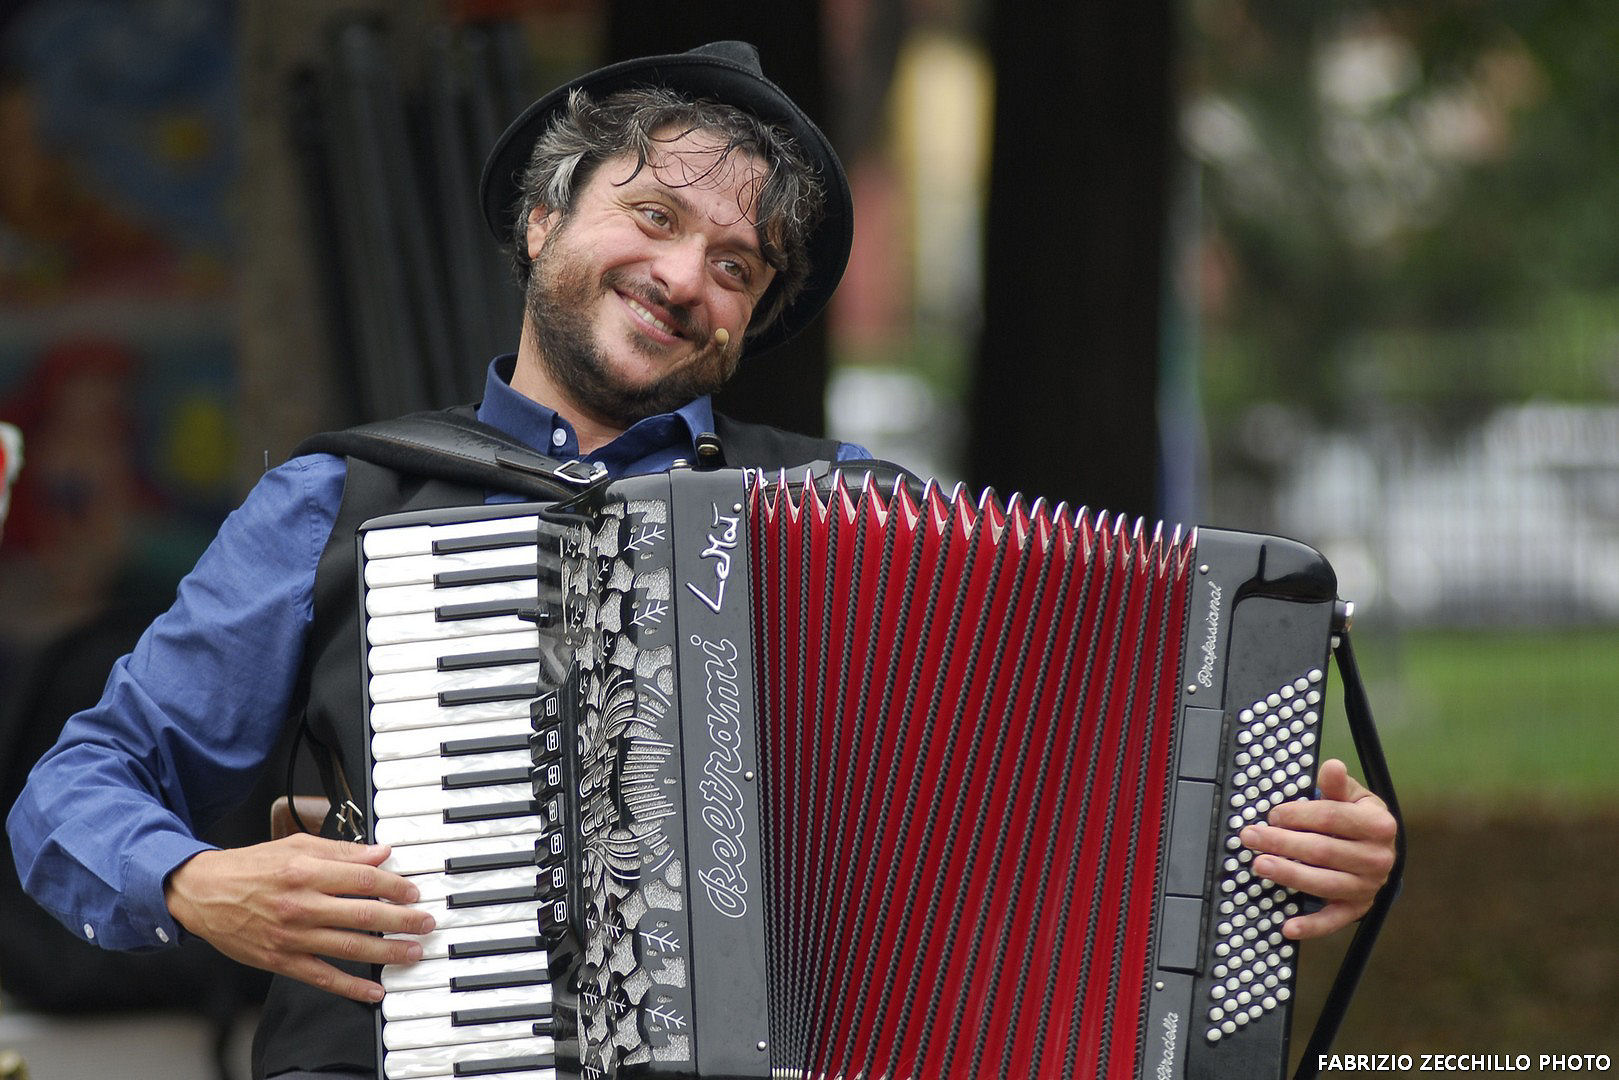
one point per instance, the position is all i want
(350, 818)
(350, 822)
(581, 474)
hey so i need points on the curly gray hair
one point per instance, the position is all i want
(788, 203)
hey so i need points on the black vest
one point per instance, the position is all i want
(302, 1027)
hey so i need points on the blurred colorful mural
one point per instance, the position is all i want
(116, 323)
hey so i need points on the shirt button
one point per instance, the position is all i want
(162, 935)
(558, 437)
(89, 931)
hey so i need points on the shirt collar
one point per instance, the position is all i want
(667, 435)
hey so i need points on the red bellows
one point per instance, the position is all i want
(965, 731)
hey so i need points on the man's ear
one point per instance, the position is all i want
(540, 223)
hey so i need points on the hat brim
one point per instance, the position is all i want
(715, 78)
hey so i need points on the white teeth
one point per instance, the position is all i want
(647, 316)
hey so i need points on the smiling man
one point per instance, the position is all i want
(669, 218)
(641, 291)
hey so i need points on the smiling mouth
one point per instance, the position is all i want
(646, 316)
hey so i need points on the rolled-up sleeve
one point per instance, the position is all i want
(185, 724)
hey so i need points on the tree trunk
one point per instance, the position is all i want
(1065, 387)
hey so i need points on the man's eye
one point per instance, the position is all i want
(734, 268)
(656, 216)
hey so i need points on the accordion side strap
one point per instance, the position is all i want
(884, 475)
(451, 445)
(1369, 748)
(344, 813)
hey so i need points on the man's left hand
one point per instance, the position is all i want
(1339, 847)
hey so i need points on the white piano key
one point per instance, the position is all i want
(425, 655)
(425, 742)
(424, 712)
(448, 918)
(435, 769)
(438, 1031)
(440, 886)
(427, 685)
(418, 539)
(432, 828)
(422, 569)
(430, 1061)
(425, 626)
(441, 1000)
(436, 946)
(428, 974)
(405, 802)
(412, 859)
(406, 599)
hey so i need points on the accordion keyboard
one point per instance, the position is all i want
(454, 697)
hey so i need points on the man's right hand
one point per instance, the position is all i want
(284, 904)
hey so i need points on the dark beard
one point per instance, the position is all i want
(560, 297)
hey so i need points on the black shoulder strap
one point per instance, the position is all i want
(453, 445)
(760, 446)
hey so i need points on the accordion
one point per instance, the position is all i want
(717, 774)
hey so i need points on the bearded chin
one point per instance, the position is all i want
(558, 307)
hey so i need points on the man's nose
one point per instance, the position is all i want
(681, 268)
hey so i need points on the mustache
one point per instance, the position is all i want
(649, 294)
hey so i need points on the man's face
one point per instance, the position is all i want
(628, 288)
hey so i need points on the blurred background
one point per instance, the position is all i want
(1346, 272)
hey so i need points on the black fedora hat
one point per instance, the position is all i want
(727, 72)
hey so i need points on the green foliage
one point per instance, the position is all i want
(1424, 186)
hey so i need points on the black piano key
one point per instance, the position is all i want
(455, 545)
(484, 897)
(517, 774)
(495, 860)
(465, 950)
(484, 575)
(493, 658)
(500, 1014)
(499, 980)
(487, 745)
(486, 609)
(478, 695)
(521, 1063)
(457, 815)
